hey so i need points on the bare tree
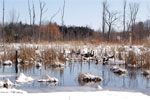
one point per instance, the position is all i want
(62, 18)
(134, 8)
(33, 21)
(29, 9)
(42, 11)
(124, 16)
(3, 20)
(111, 18)
(105, 5)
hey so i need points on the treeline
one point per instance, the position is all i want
(20, 32)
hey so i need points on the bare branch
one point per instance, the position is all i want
(54, 15)
(42, 10)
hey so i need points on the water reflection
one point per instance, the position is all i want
(69, 76)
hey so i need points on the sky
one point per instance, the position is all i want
(77, 12)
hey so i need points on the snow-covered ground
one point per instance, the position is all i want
(98, 95)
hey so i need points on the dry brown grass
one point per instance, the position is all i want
(145, 59)
(8, 55)
(50, 56)
(132, 58)
(27, 54)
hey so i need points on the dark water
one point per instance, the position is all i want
(68, 78)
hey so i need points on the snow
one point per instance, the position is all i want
(118, 70)
(24, 79)
(6, 81)
(87, 77)
(98, 95)
(3, 91)
(116, 62)
(49, 79)
(8, 62)
(38, 52)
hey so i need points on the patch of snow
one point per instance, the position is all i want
(38, 52)
(49, 79)
(8, 62)
(116, 62)
(1, 53)
(118, 70)
(6, 83)
(19, 60)
(87, 77)
(24, 79)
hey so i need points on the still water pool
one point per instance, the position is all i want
(68, 78)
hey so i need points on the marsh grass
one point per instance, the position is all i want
(50, 56)
(27, 55)
(8, 55)
(146, 60)
(131, 58)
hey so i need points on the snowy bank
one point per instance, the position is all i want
(11, 90)
(99, 95)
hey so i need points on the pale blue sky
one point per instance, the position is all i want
(77, 12)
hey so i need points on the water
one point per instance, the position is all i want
(68, 78)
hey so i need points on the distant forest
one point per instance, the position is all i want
(52, 32)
